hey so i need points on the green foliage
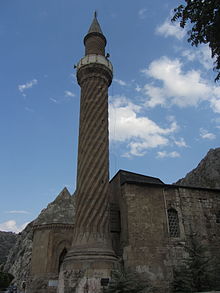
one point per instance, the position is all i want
(182, 280)
(5, 279)
(204, 19)
(198, 272)
(127, 281)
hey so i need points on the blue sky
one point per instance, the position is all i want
(164, 105)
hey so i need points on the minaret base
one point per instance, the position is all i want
(84, 267)
(83, 270)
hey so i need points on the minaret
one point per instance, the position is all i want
(94, 75)
(91, 252)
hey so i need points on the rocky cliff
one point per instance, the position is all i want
(206, 174)
(61, 210)
(7, 241)
(19, 258)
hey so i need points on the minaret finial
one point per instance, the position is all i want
(95, 27)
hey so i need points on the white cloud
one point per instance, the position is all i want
(215, 104)
(29, 109)
(120, 82)
(138, 88)
(69, 94)
(142, 13)
(138, 132)
(178, 87)
(165, 154)
(11, 226)
(215, 100)
(55, 101)
(169, 29)
(201, 54)
(27, 85)
(206, 135)
(17, 212)
(216, 121)
(156, 95)
(180, 143)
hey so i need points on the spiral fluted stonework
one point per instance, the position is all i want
(91, 241)
(93, 151)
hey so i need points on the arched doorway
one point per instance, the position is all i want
(61, 258)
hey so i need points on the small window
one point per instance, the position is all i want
(218, 217)
(173, 221)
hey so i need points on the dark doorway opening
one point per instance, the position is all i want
(61, 258)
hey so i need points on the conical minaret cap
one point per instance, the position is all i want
(95, 26)
(95, 30)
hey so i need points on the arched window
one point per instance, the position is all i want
(173, 221)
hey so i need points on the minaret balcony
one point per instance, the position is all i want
(94, 58)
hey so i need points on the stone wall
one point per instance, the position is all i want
(146, 238)
(198, 211)
(50, 244)
(147, 234)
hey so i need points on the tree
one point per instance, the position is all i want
(198, 272)
(127, 281)
(204, 16)
(5, 279)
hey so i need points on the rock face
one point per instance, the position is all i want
(7, 241)
(206, 174)
(61, 210)
(19, 259)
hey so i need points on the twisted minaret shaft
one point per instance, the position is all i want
(93, 153)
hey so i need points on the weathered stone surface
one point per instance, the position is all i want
(206, 174)
(18, 262)
(61, 210)
(7, 241)
(145, 237)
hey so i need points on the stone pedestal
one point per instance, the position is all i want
(87, 278)
(86, 264)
